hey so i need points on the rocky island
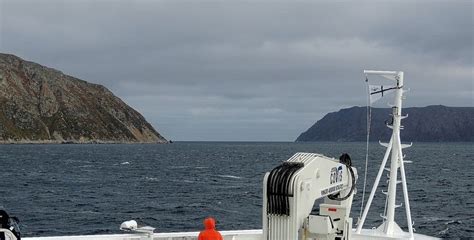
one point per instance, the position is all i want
(424, 124)
(43, 105)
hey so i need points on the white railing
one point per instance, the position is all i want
(228, 235)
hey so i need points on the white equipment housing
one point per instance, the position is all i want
(290, 191)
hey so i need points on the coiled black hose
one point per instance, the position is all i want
(346, 160)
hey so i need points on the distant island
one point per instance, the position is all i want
(424, 124)
(43, 105)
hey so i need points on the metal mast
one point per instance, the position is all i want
(394, 149)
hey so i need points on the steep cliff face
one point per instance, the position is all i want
(424, 124)
(41, 104)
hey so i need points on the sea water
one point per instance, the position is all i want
(91, 189)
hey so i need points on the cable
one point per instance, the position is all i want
(333, 197)
(369, 120)
(278, 188)
(385, 209)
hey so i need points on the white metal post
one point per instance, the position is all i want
(393, 181)
(360, 224)
(405, 192)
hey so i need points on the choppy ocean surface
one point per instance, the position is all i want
(91, 189)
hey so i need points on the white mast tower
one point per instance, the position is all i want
(389, 228)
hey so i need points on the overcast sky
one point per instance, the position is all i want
(247, 70)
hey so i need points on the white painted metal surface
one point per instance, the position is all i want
(373, 234)
(311, 182)
(8, 234)
(227, 235)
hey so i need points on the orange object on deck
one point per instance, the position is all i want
(209, 232)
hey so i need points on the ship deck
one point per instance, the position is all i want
(228, 235)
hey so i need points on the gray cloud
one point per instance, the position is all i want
(247, 70)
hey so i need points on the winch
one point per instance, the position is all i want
(291, 189)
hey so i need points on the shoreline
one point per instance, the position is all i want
(41, 142)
